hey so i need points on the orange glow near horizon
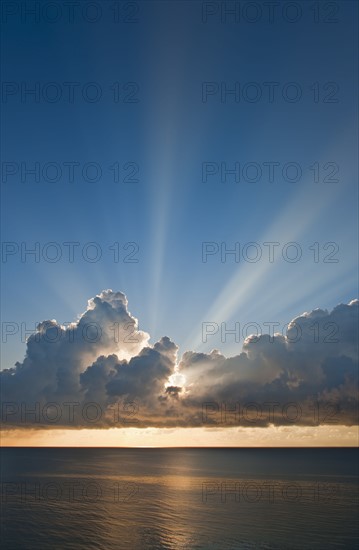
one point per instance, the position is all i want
(321, 436)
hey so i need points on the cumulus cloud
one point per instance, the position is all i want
(57, 355)
(102, 370)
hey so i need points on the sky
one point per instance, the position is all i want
(159, 137)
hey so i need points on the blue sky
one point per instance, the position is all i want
(169, 132)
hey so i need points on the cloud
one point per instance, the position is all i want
(314, 364)
(102, 370)
(56, 355)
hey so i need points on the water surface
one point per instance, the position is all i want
(107, 499)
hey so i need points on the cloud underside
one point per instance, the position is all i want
(102, 371)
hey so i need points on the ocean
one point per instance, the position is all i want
(179, 498)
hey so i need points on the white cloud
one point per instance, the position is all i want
(103, 358)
